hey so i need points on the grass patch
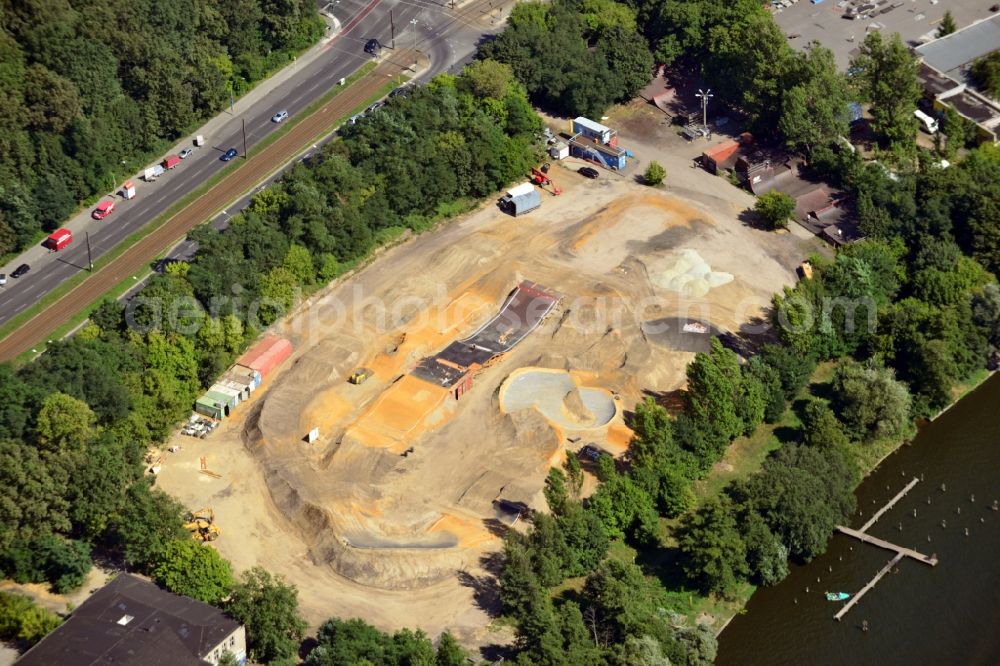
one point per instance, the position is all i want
(71, 283)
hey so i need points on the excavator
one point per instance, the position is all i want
(201, 525)
(360, 376)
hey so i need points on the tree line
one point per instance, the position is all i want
(90, 89)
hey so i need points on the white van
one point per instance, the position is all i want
(927, 124)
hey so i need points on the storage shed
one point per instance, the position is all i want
(243, 371)
(595, 131)
(244, 382)
(227, 401)
(241, 388)
(233, 394)
(207, 406)
(266, 355)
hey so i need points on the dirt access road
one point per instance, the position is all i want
(409, 540)
(261, 164)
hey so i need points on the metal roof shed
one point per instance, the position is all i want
(241, 388)
(227, 401)
(206, 406)
(266, 355)
(249, 373)
(233, 393)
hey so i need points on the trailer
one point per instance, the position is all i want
(171, 161)
(520, 200)
(152, 173)
(59, 239)
(128, 190)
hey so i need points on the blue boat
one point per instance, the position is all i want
(837, 596)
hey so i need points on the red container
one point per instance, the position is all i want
(171, 162)
(266, 355)
(59, 239)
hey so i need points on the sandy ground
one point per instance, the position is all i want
(407, 540)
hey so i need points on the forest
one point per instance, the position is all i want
(92, 89)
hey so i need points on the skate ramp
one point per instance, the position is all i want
(554, 394)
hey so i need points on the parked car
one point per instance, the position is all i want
(20, 270)
(103, 209)
(401, 91)
(279, 116)
(3, 279)
(229, 154)
(592, 452)
(588, 172)
(375, 107)
(355, 118)
(186, 153)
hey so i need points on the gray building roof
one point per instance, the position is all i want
(131, 621)
(952, 52)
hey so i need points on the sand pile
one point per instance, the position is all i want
(687, 273)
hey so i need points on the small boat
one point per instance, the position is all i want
(837, 596)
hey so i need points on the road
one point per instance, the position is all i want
(448, 37)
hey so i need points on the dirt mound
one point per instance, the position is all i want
(574, 408)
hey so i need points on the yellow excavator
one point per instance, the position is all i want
(201, 525)
(360, 376)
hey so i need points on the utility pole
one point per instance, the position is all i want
(705, 95)
(392, 28)
(90, 257)
(245, 155)
(414, 23)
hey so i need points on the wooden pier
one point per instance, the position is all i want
(857, 597)
(882, 543)
(900, 551)
(889, 504)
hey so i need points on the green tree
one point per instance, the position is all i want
(64, 424)
(714, 383)
(714, 555)
(22, 620)
(195, 570)
(774, 209)
(622, 602)
(820, 427)
(643, 651)
(767, 556)
(814, 108)
(870, 402)
(149, 520)
(269, 609)
(32, 494)
(947, 25)
(449, 652)
(885, 74)
(986, 72)
(655, 173)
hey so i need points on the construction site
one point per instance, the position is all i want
(428, 394)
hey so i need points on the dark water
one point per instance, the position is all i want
(948, 614)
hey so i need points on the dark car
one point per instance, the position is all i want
(372, 46)
(375, 107)
(20, 270)
(229, 154)
(592, 452)
(588, 172)
(402, 91)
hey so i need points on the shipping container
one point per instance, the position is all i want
(249, 373)
(266, 355)
(213, 409)
(234, 393)
(59, 239)
(171, 161)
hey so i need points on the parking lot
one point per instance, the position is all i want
(915, 21)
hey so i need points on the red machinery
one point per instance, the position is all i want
(539, 177)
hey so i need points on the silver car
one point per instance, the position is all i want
(279, 116)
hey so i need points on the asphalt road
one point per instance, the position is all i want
(448, 37)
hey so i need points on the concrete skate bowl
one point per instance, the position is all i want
(681, 334)
(557, 397)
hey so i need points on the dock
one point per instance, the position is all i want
(901, 552)
(890, 504)
(857, 597)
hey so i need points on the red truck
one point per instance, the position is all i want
(103, 209)
(171, 161)
(59, 239)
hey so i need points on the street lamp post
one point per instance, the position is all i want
(413, 22)
(705, 95)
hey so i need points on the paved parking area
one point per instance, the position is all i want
(915, 21)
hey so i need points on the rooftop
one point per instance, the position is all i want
(132, 621)
(951, 53)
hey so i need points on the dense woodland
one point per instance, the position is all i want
(606, 579)
(90, 89)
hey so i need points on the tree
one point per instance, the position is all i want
(714, 383)
(195, 570)
(269, 609)
(774, 209)
(655, 173)
(885, 74)
(643, 651)
(622, 602)
(767, 556)
(32, 495)
(64, 424)
(713, 550)
(986, 72)
(870, 402)
(814, 108)
(149, 520)
(22, 620)
(947, 25)
(449, 652)
(820, 427)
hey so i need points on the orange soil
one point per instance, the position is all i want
(470, 533)
(617, 209)
(391, 421)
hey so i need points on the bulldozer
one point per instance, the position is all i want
(201, 525)
(360, 376)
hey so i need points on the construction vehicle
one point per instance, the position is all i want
(540, 178)
(201, 525)
(360, 376)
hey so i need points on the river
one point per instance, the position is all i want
(948, 614)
